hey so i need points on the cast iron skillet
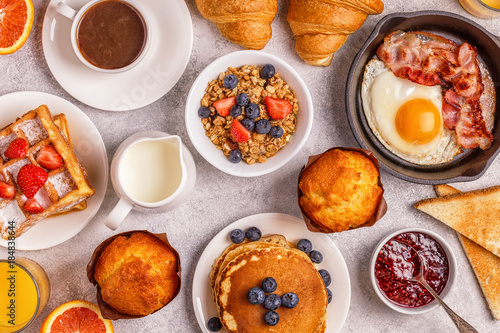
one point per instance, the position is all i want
(472, 163)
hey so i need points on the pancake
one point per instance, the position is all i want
(230, 251)
(293, 272)
(271, 241)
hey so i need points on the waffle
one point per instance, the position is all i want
(66, 187)
(62, 123)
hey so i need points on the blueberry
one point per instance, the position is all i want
(271, 318)
(237, 236)
(256, 296)
(304, 245)
(316, 256)
(289, 300)
(248, 123)
(325, 275)
(276, 132)
(262, 126)
(267, 71)
(236, 110)
(242, 99)
(269, 285)
(253, 234)
(214, 324)
(272, 302)
(329, 292)
(204, 112)
(252, 110)
(235, 156)
(230, 81)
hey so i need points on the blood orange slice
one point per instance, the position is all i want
(16, 19)
(75, 317)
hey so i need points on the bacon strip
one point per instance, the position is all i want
(429, 59)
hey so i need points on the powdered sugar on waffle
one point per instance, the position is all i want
(42, 197)
(63, 183)
(11, 212)
(34, 130)
(4, 143)
(13, 169)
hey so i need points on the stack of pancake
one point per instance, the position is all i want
(243, 266)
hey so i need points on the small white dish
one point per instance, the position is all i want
(452, 262)
(293, 229)
(208, 150)
(158, 72)
(89, 148)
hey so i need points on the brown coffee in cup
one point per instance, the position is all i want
(111, 34)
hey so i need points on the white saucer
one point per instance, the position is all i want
(158, 72)
(90, 150)
(293, 229)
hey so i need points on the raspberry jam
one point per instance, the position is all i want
(396, 263)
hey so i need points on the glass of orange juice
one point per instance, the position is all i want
(24, 292)
(482, 8)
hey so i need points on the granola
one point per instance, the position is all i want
(258, 147)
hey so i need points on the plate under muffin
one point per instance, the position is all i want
(467, 166)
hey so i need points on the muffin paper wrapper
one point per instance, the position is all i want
(315, 227)
(107, 311)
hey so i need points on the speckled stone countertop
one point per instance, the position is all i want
(220, 199)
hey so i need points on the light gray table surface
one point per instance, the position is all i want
(220, 199)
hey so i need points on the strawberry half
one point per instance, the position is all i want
(277, 108)
(17, 148)
(30, 178)
(223, 106)
(7, 191)
(32, 206)
(49, 158)
(239, 132)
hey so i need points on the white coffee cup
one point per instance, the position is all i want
(149, 173)
(77, 15)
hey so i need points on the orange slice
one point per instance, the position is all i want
(16, 19)
(76, 317)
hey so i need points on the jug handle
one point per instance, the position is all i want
(118, 214)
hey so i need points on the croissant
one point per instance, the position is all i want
(244, 22)
(321, 27)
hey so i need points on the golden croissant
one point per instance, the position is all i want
(247, 23)
(321, 27)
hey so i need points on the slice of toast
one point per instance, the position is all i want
(485, 264)
(474, 214)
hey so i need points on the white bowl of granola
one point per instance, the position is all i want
(239, 138)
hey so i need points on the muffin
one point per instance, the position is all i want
(137, 273)
(340, 190)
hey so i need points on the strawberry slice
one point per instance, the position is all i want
(277, 108)
(239, 132)
(32, 206)
(49, 158)
(17, 148)
(30, 178)
(223, 106)
(7, 191)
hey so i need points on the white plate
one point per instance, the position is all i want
(90, 150)
(208, 150)
(158, 72)
(293, 229)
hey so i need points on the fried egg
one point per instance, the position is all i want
(406, 117)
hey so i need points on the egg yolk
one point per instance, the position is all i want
(418, 121)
